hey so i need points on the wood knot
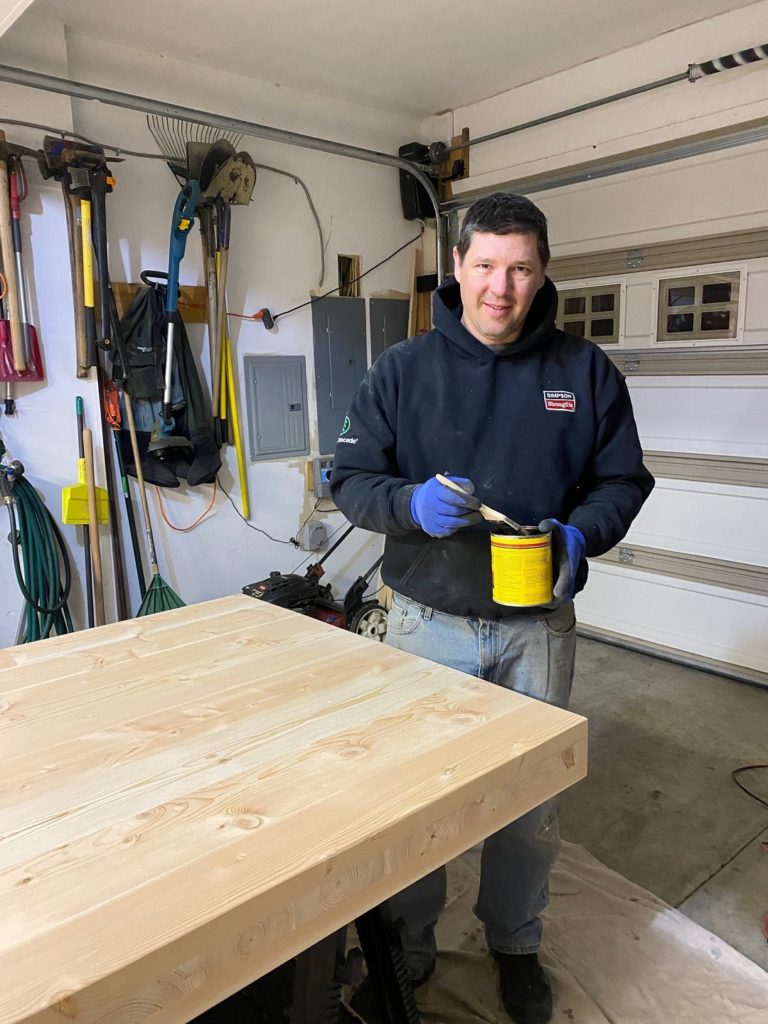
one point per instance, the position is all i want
(568, 757)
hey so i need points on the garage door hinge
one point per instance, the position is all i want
(634, 258)
(631, 362)
(626, 556)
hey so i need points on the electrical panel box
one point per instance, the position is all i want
(321, 475)
(276, 398)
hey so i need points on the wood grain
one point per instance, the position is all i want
(191, 798)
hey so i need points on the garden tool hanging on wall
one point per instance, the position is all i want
(33, 371)
(225, 184)
(181, 224)
(19, 353)
(142, 328)
(68, 162)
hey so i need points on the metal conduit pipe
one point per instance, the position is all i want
(693, 74)
(114, 98)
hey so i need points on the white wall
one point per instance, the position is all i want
(274, 262)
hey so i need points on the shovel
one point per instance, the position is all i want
(34, 370)
(9, 263)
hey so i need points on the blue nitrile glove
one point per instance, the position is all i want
(568, 547)
(440, 512)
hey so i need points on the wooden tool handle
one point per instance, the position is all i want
(140, 478)
(75, 239)
(93, 523)
(9, 269)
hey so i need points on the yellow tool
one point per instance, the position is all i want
(74, 499)
(236, 426)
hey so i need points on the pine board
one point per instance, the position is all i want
(190, 799)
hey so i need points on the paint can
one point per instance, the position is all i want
(521, 567)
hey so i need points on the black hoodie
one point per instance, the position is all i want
(543, 427)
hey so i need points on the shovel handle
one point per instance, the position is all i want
(93, 524)
(140, 479)
(9, 269)
(99, 216)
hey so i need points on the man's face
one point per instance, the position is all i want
(498, 279)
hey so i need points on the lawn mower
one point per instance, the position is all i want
(307, 595)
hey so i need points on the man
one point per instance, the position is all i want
(539, 425)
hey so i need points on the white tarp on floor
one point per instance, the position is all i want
(615, 953)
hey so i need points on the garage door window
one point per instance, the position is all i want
(703, 308)
(591, 313)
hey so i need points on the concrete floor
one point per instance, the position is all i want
(659, 805)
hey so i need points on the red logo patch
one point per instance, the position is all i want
(560, 401)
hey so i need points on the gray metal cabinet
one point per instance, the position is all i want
(341, 359)
(389, 324)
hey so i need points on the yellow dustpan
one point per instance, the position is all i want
(74, 499)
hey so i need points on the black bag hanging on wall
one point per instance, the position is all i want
(189, 448)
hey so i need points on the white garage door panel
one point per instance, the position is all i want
(715, 520)
(687, 617)
(709, 416)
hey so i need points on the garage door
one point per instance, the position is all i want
(691, 578)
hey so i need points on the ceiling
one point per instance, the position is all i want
(413, 57)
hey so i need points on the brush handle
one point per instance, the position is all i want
(9, 269)
(485, 510)
(142, 485)
(93, 523)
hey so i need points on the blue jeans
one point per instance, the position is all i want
(534, 655)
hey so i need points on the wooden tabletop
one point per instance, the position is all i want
(189, 799)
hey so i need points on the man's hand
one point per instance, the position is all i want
(440, 512)
(568, 547)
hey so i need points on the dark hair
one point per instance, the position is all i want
(504, 213)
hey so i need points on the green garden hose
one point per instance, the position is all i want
(39, 557)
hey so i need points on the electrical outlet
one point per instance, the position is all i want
(321, 476)
(313, 536)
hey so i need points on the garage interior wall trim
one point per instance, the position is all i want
(721, 248)
(740, 673)
(713, 572)
(692, 362)
(732, 470)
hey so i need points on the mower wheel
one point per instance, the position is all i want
(370, 621)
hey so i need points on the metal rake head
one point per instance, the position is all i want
(172, 136)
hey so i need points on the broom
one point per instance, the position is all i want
(160, 596)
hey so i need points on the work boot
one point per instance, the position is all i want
(365, 1003)
(525, 989)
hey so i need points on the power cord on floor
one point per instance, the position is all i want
(748, 768)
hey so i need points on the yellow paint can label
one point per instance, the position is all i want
(522, 569)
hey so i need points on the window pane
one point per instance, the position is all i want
(680, 323)
(715, 320)
(681, 296)
(576, 327)
(603, 303)
(602, 328)
(574, 305)
(720, 292)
